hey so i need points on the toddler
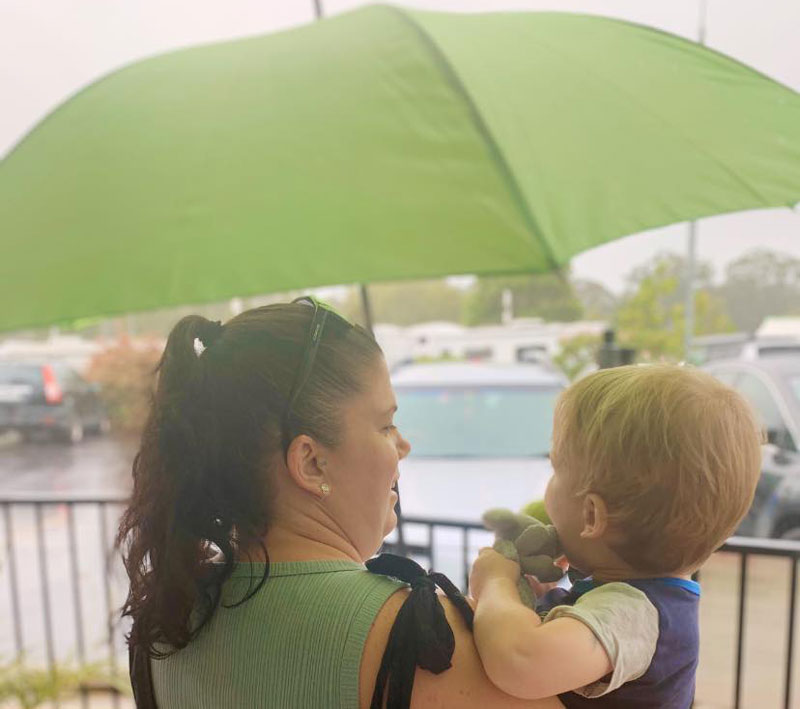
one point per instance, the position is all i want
(655, 465)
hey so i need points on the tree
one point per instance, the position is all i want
(544, 295)
(597, 301)
(577, 354)
(407, 303)
(759, 284)
(651, 316)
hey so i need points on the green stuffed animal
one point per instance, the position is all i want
(533, 545)
(538, 510)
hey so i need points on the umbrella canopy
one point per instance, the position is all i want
(376, 145)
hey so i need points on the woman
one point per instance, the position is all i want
(264, 481)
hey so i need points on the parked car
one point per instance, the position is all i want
(772, 386)
(480, 436)
(49, 399)
(740, 345)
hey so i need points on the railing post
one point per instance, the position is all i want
(465, 556)
(787, 694)
(112, 652)
(76, 594)
(48, 618)
(431, 555)
(740, 633)
(12, 578)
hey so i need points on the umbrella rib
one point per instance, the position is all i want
(454, 81)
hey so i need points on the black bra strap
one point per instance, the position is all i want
(420, 636)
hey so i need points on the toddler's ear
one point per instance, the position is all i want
(595, 517)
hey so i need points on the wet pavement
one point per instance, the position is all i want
(96, 465)
(60, 587)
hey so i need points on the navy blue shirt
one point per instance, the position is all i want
(669, 681)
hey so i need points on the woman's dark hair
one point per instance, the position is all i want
(216, 427)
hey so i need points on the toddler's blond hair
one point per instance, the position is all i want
(674, 453)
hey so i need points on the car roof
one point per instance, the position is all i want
(776, 369)
(475, 373)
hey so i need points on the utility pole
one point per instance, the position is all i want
(691, 250)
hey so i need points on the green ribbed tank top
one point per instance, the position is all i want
(297, 643)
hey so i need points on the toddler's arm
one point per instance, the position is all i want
(521, 655)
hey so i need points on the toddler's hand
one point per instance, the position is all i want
(491, 565)
(539, 588)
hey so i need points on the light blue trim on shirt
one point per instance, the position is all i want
(686, 584)
(585, 585)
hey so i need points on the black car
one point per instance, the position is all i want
(49, 399)
(772, 386)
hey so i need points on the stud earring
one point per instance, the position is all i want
(325, 489)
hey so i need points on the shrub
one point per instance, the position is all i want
(125, 372)
(32, 687)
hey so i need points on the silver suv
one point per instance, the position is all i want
(480, 436)
(772, 386)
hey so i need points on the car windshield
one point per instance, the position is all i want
(477, 422)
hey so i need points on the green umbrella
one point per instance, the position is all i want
(376, 145)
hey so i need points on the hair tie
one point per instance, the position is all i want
(208, 332)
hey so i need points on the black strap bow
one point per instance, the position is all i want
(420, 636)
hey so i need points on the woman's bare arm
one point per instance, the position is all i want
(465, 685)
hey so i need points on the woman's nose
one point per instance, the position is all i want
(403, 446)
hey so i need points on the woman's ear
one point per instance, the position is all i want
(305, 462)
(595, 517)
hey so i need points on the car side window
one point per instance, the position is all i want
(762, 400)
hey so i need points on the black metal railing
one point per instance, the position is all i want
(66, 539)
(746, 548)
(40, 530)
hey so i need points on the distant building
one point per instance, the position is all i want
(72, 349)
(523, 339)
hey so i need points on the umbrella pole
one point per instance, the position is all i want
(318, 9)
(366, 308)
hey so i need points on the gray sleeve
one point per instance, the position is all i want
(625, 622)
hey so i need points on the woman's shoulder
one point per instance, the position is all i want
(464, 685)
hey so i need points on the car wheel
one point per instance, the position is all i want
(73, 433)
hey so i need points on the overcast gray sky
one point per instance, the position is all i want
(51, 48)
